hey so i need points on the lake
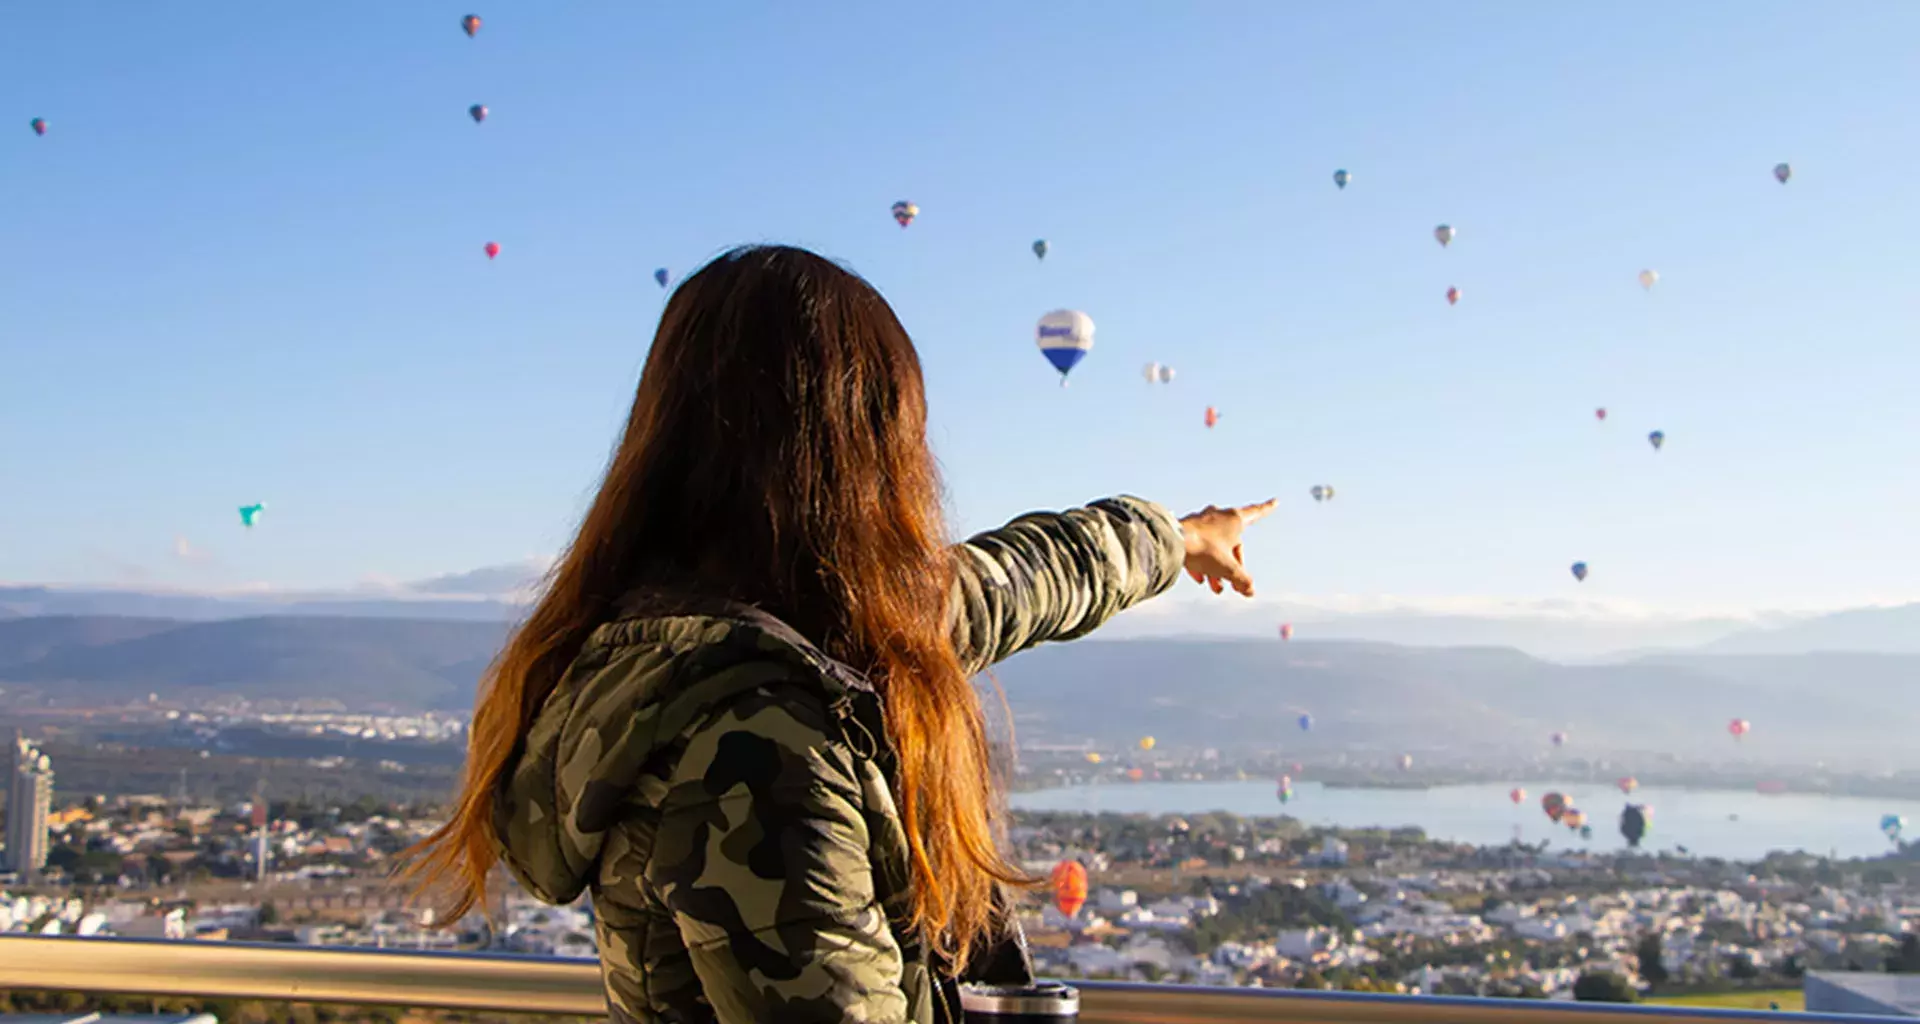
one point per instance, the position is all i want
(1712, 823)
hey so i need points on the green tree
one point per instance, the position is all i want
(1652, 954)
(1604, 987)
(1906, 959)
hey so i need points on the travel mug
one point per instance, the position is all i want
(1046, 1002)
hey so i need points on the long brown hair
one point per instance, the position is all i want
(776, 455)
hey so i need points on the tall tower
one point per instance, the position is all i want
(29, 798)
(259, 818)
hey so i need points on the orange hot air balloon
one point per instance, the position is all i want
(1136, 774)
(1518, 795)
(493, 249)
(1069, 887)
(1574, 818)
(1213, 416)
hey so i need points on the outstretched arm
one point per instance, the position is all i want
(1059, 575)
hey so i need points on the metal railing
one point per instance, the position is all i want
(469, 981)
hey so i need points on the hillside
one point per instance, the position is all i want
(362, 663)
(1188, 693)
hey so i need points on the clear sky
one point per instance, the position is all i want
(244, 264)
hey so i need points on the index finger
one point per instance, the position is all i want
(1251, 513)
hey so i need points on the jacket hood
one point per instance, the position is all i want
(637, 685)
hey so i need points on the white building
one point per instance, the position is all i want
(29, 800)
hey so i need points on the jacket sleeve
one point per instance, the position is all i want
(761, 856)
(1059, 575)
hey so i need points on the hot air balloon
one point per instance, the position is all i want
(1633, 823)
(251, 513)
(1600, 414)
(1069, 886)
(1065, 336)
(1213, 417)
(1406, 762)
(1093, 757)
(39, 125)
(1297, 769)
(1286, 631)
(1573, 818)
(1554, 804)
(1739, 727)
(1040, 248)
(1580, 571)
(904, 212)
(1444, 233)
(1649, 278)
(1157, 374)
(1285, 794)
(1136, 774)
(1517, 795)
(1306, 723)
(1586, 831)
(1146, 743)
(1559, 739)
(1657, 438)
(1893, 825)
(1781, 172)
(660, 277)
(1341, 177)
(1322, 492)
(1453, 296)
(471, 24)
(492, 249)
(1628, 784)
(478, 112)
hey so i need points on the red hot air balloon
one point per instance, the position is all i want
(1739, 727)
(493, 249)
(1518, 795)
(1453, 296)
(470, 24)
(1213, 416)
(1069, 887)
(1554, 804)
(1600, 414)
(1628, 784)
(1286, 631)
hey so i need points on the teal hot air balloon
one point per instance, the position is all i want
(1580, 571)
(1040, 248)
(39, 125)
(250, 514)
(1657, 438)
(1341, 177)
(1893, 825)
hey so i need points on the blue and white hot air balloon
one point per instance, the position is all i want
(1065, 336)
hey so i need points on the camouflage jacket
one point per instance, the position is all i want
(721, 786)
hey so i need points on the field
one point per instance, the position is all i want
(1757, 999)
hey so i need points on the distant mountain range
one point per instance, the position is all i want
(1554, 631)
(1227, 693)
(362, 663)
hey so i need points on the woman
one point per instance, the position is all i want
(741, 715)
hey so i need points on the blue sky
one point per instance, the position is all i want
(245, 265)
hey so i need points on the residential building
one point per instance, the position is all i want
(29, 799)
